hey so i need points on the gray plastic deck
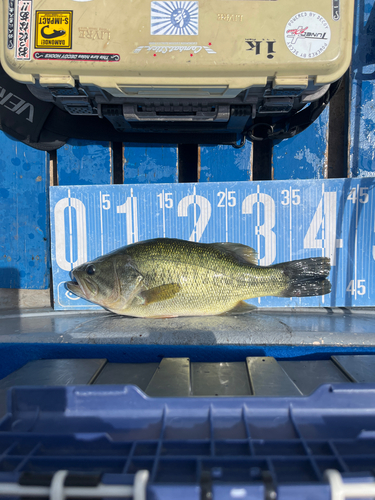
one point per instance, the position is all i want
(172, 376)
(178, 377)
(267, 378)
(309, 375)
(359, 369)
(220, 379)
(51, 372)
(138, 374)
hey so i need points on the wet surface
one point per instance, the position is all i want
(313, 327)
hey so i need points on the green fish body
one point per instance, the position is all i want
(169, 277)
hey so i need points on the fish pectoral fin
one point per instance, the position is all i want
(160, 293)
(243, 253)
(241, 307)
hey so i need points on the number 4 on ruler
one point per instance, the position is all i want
(325, 218)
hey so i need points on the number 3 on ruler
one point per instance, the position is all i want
(265, 229)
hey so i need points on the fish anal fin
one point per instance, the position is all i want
(160, 293)
(241, 307)
(239, 251)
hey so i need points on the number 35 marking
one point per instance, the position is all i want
(296, 198)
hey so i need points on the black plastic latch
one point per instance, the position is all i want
(270, 492)
(111, 109)
(206, 485)
(80, 479)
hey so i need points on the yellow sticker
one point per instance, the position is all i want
(53, 29)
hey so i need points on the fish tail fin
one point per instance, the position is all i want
(306, 277)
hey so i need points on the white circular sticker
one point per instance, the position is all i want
(307, 35)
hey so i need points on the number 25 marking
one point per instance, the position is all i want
(230, 198)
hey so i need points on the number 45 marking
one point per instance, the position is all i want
(361, 287)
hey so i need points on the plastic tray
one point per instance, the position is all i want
(224, 447)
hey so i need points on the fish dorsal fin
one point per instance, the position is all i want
(239, 251)
(160, 293)
(241, 307)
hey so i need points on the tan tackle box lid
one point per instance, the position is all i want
(211, 48)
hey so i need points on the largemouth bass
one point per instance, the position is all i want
(165, 277)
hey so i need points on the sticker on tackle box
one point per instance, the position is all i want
(23, 34)
(11, 18)
(53, 29)
(307, 35)
(282, 220)
(174, 18)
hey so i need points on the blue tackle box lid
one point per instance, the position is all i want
(198, 447)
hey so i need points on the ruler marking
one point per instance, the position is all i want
(101, 222)
(163, 198)
(290, 223)
(70, 229)
(226, 214)
(258, 227)
(355, 242)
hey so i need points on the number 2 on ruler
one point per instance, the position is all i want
(204, 205)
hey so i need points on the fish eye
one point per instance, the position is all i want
(90, 270)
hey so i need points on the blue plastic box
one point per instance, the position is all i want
(192, 447)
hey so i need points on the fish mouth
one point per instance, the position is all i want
(83, 288)
(74, 287)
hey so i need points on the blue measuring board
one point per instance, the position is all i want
(362, 116)
(305, 155)
(224, 163)
(282, 220)
(24, 235)
(150, 163)
(84, 162)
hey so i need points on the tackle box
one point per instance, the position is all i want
(114, 442)
(214, 71)
(276, 404)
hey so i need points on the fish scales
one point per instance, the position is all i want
(203, 273)
(169, 277)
